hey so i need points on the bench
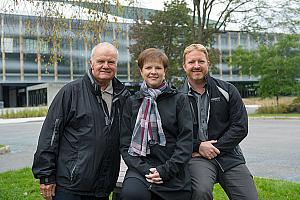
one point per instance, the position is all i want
(118, 188)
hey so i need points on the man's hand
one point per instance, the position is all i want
(153, 176)
(47, 191)
(207, 150)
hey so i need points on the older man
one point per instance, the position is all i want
(77, 155)
(220, 124)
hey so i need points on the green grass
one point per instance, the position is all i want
(24, 113)
(2, 145)
(268, 189)
(20, 185)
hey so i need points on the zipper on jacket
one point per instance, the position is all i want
(107, 120)
(119, 117)
(72, 172)
(54, 131)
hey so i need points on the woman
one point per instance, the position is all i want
(156, 136)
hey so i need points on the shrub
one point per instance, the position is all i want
(295, 106)
(296, 100)
(25, 113)
(281, 108)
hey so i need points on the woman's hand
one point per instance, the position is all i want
(153, 176)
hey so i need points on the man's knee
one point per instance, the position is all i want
(202, 193)
(134, 189)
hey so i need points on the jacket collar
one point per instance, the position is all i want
(118, 87)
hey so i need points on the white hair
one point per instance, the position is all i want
(104, 44)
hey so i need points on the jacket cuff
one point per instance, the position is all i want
(162, 173)
(47, 180)
(196, 146)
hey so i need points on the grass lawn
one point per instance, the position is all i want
(20, 185)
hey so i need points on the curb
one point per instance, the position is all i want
(274, 117)
(22, 120)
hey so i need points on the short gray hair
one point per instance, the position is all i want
(104, 44)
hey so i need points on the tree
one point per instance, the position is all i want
(243, 60)
(277, 66)
(205, 26)
(168, 30)
(214, 16)
(59, 19)
(273, 16)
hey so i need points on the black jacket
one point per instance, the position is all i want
(77, 149)
(227, 121)
(170, 160)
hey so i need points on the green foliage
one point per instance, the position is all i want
(2, 145)
(24, 113)
(20, 184)
(243, 60)
(168, 30)
(277, 66)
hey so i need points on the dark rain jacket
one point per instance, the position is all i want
(227, 121)
(78, 144)
(170, 160)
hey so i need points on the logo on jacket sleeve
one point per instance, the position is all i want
(215, 99)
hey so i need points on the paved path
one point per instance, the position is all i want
(271, 148)
(22, 136)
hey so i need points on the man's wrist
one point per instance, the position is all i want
(47, 180)
(196, 146)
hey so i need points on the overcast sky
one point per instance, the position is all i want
(152, 4)
(159, 4)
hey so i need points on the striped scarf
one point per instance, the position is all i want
(148, 127)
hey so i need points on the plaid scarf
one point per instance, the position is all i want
(148, 127)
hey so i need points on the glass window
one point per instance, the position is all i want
(8, 45)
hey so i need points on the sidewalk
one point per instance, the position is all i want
(21, 120)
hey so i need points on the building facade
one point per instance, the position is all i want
(28, 57)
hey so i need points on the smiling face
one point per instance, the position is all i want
(196, 66)
(104, 64)
(153, 73)
(153, 64)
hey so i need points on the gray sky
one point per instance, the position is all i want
(159, 4)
